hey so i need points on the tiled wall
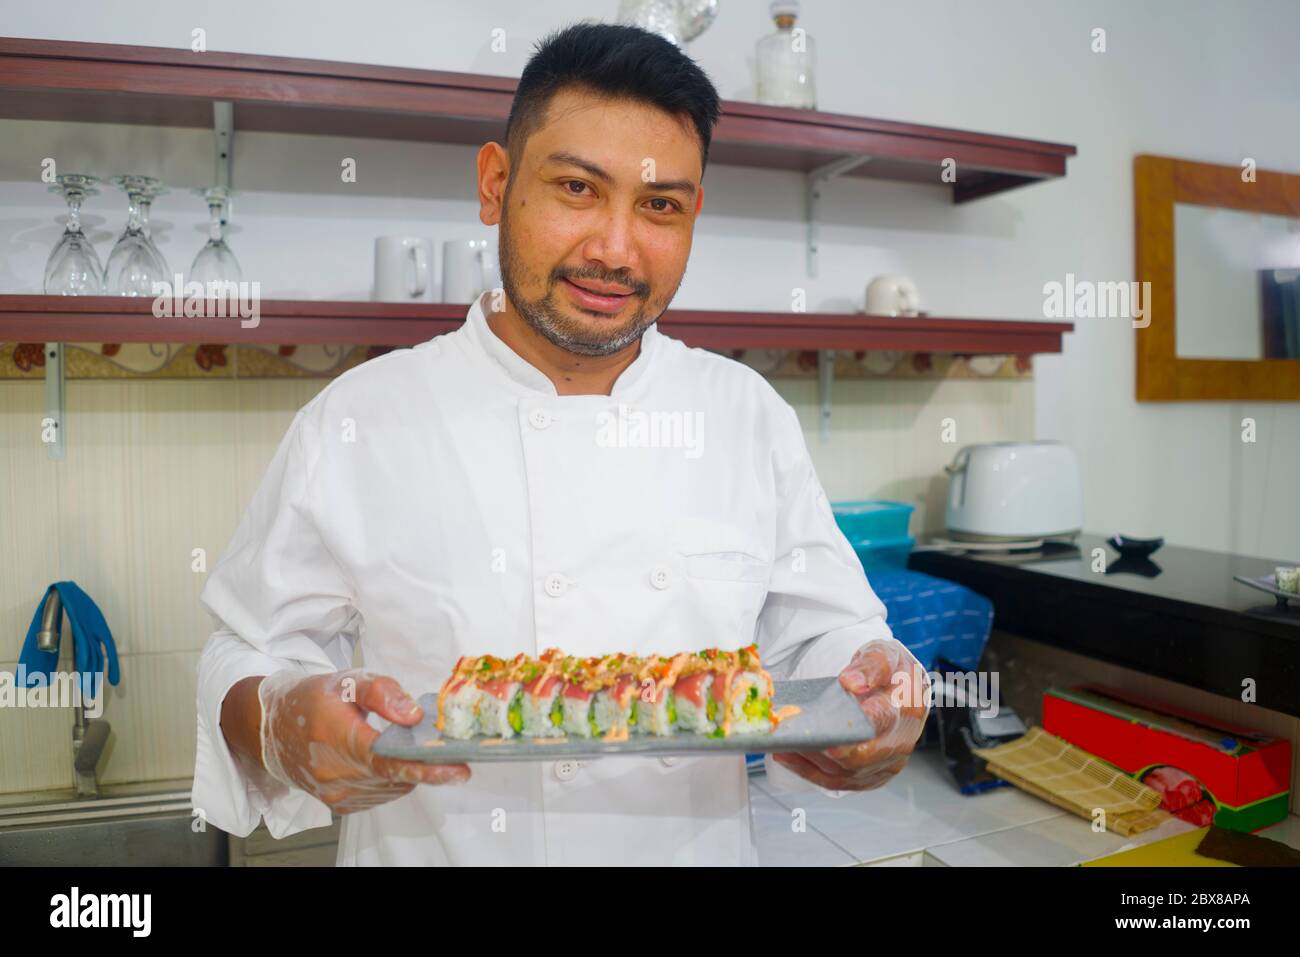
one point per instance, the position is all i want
(156, 469)
(153, 471)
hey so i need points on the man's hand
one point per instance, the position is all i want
(314, 735)
(892, 690)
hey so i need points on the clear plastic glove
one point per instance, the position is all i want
(893, 692)
(315, 736)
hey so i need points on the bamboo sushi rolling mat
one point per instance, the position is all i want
(1055, 770)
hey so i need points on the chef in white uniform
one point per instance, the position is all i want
(554, 473)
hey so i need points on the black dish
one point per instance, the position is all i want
(1131, 547)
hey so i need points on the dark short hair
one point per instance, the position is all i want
(616, 60)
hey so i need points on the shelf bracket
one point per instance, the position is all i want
(54, 399)
(825, 376)
(813, 181)
(223, 128)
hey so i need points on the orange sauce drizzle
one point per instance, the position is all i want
(780, 714)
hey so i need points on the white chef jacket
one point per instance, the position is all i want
(443, 500)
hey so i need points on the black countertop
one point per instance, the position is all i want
(1180, 617)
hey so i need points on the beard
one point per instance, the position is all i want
(549, 320)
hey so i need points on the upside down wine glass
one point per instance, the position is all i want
(147, 196)
(133, 267)
(73, 267)
(215, 263)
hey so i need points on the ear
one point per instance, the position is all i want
(493, 177)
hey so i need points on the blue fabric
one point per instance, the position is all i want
(934, 617)
(93, 645)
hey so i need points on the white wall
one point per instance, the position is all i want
(1198, 79)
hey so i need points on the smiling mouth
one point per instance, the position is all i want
(596, 301)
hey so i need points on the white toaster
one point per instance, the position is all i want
(1008, 491)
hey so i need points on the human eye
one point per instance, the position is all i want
(672, 205)
(568, 183)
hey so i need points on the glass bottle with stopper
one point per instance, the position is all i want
(787, 61)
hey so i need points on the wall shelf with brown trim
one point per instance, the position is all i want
(291, 321)
(111, 83)
(229, 92)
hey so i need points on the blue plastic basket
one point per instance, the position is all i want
(871, 519)
(882, 554)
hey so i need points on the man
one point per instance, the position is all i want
(556, 473)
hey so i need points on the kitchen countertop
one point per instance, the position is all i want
(1179, 616)
(17, 799)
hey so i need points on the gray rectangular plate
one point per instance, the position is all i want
(829, 716)
(1268, 583)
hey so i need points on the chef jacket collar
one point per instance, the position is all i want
(525, 374)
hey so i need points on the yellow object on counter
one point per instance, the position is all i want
(1176, 851)
(1069, 777)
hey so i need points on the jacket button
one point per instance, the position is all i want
(539, 418)
(556, 585)
(660, 577)
(566, 770)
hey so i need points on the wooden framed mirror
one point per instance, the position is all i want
(1220, 246)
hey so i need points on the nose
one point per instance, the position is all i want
(613, 244)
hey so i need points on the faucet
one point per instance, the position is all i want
(89, 735)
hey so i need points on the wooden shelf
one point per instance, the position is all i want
(109, 83)
(292, 321)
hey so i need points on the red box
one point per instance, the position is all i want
(1206, 769)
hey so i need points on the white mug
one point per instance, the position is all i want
(892, 296)
(402, 269)
(469, 268)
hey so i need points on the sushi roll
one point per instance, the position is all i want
(458, 707)
(1286, 578)
(501, 708)
(711, 693)
(579, 718)
(576, 717)
(613, 708)
(543, 715)
(657, 708)
(656, 711)
(744, 703)
(696, 707)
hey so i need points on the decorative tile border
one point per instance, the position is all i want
(802, 364)
(140, 360)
